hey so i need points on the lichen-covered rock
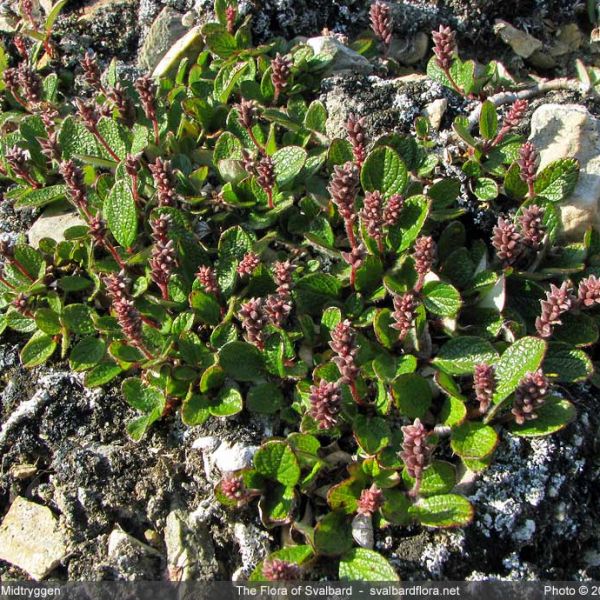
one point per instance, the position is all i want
(164, 32)
(343, 59)
(569, 130)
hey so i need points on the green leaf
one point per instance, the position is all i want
(74, 138)
(242, 361)
(102, 374)
(332, 535)
(382, 325)
(514, 187)
(228, 147)
(226, 80)
(41, 197)
(446, 510)
(339, 153)
(115, 135)
(344, 496)
(87, 353)
(316, 117)
(264, 398)
(441, 298)
(567, 364)
(459, 355)
(143, 397)
(206, 307)
(222, 43)
(557, 181)
(385, 171)
(520, 358)
(412, 395)
(488, 120)
(396, 506)
(372, 434)
(276, 505)
(438, 478)
(473, 440)
(577, 329)
(37, 350)
(195, 410)
(289, 161)
(74, 283)
(485, 189)
(453, 411)
(362, 564)
(48, 321)
(552, 416)
(229, 402)
(314, 290)
(78, 319)
(277, 461)
(233, 244)
(121, 214)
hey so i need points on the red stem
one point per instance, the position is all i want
(7, 284)
(105, 144)
(156, 133)
(270, 197)
(115, 254)
(21, 268)
(149, 322)
(350, 233)
(453, 83)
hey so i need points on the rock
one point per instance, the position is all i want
(189, 18)
(569, 39)
(187, 46)
(410, 51)
(565, 131)
(163, 33)
(24, 471)
(233, 457)
(362, 531)
(30, 538)
(129, 558)
(343, 58)
(522, 43)
(435, 112)
(190, 551)
(52, 224)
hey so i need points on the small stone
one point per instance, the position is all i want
(30, 538)
(435, 112)
(343, 58)
(570, 131)
(163, 33)
(569, 39)
(53, 224)
(131, 559)
(523, 44)
(22, 472)
(362, 531)
(119, 541)
(190, 551)
(233, 457)
(410, 51)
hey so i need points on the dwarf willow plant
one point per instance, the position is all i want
(231, 257)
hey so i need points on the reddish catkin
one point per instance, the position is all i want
(343, 343)
(372, 217)
(254, 319)
(415, 452)
(370, 501)
(325, 404)
(233, 488)
(484, 384)
(507, 242)
(444, 46)
(343, 188)
(588, 292)
(281, 69)
(558, 301)
(281, 570)
(530, 395)
(248, 264)
(424, 254)
(532, 226)
(529, 159)
(405, 307)
(381, 22)
(208, 280)
(355, 127)
(265, 169)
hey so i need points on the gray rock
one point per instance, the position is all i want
(129, 558)
(30, 538)
(52, 224)
(164, 32)
(190, 551)
(564, 131)
(523, 44)
(343, 58)
(435, 112)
